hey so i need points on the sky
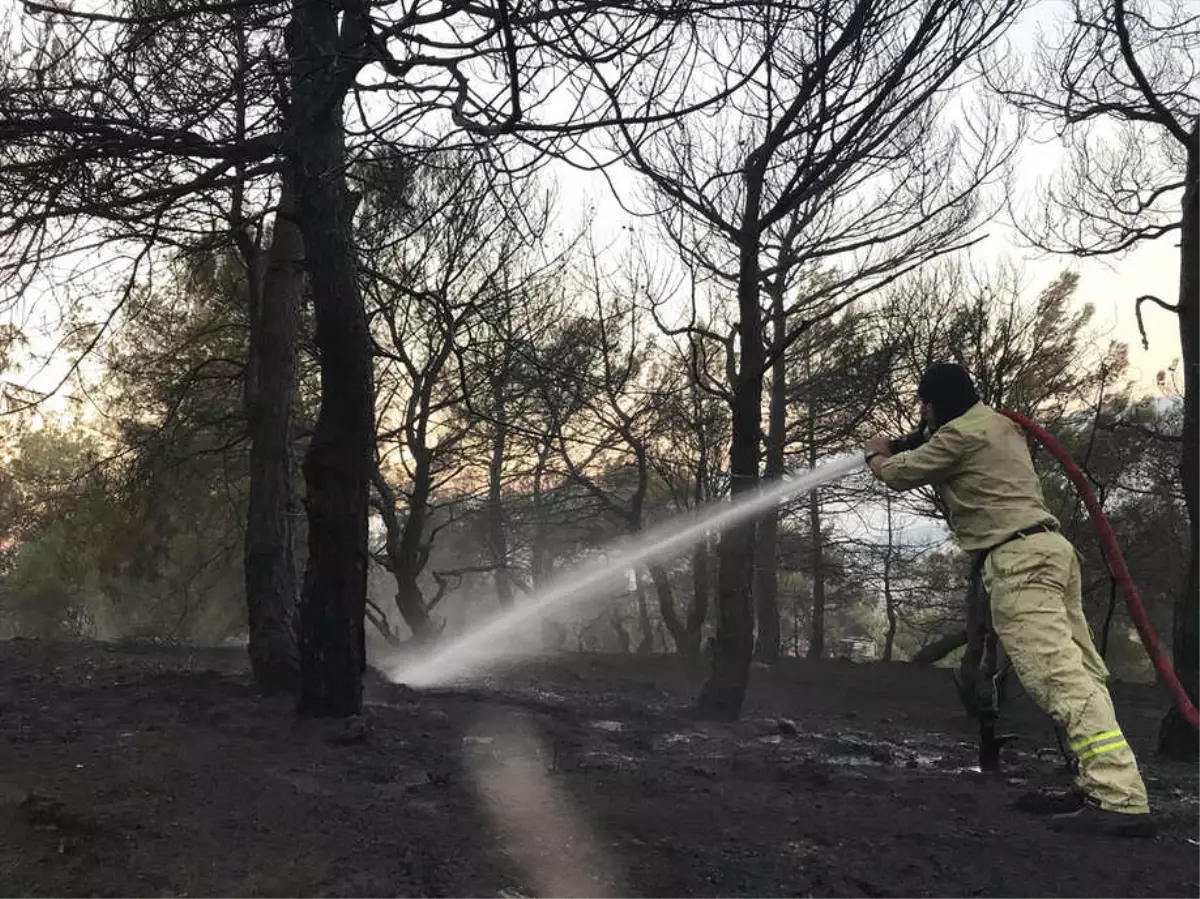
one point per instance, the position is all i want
(1111, 285)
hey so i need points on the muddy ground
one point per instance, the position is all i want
(135, 771)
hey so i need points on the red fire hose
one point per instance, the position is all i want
(1116, 564)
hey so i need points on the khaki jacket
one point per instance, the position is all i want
(980, 466)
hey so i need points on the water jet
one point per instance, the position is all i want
(503, 639)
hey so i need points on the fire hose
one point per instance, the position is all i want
(1116, 564)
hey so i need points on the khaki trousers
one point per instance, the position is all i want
(1037, 612)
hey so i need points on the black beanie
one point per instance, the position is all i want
(949, 389)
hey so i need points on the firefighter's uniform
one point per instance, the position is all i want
(980, 466)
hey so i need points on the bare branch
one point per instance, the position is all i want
(1137, 309)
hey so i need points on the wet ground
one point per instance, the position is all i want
(129, 771)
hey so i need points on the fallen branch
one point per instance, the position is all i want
(940, 648)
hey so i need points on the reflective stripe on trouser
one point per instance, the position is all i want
(1037, 611)
(1098, 744)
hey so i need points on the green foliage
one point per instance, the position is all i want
(1042, 358)
(929, 590)
(1129, 452)
(135, 531)
(849, 604)
(52, 493)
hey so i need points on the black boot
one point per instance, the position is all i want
(1051, 802)
(1093, 820)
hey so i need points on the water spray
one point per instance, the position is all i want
(485, 645)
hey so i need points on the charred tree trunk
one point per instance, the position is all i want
(889, 639)
(978, 621)
(767, 593)
(685, 634)
(688, 645)
(269, 561)
(701, 587)
(497, 535)
(1110, 612)
(816, 643)
(725, 689)
(767, 581)
(337, 469)
(666, 608)
(733, 649)
(889, 600)
(403, 547)
(541, 563)
(623, 638)
(795, 626)
(646, 643)
(1177, 738)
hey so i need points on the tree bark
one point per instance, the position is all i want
(766, 593)
(337, 469)
(623, 638)
(978, 621)
(685, 633)
(666, 605)
(541, 563)
(701, 579)
(497, 536)
(402, 544)
(1177, 738)
(816, 643)
(795, 626)
(269, 561)
(725, 690)
(646, 641)
(701, 587)
(767, 575)
(889, 600)
(1109, 613)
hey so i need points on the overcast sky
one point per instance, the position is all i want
(1110, 284)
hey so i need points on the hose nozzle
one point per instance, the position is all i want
(908, 442)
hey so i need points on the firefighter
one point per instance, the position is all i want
(978, 462)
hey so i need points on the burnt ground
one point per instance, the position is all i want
(138, 771)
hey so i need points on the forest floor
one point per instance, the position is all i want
(161, 771)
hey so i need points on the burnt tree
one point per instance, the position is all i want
(133, 130)
(1133, 67)
(689, 464)
(272, 595)
(830, 134)
(605, 432)
(338, 466)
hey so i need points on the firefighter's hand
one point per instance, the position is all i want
(877, 445)
(877, 453)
